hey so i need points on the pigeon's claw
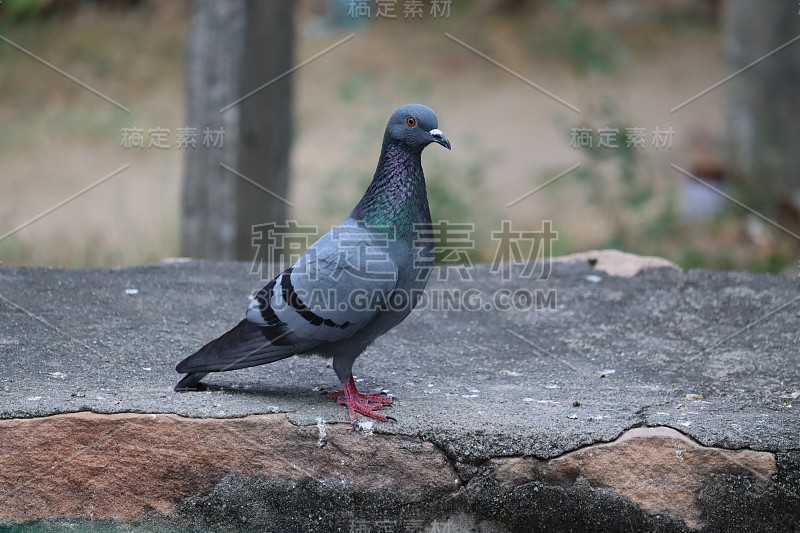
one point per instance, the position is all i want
(361, 402)
(373, 406)
(374, 397)
(365, 408)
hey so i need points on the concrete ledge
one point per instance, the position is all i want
(658, 401)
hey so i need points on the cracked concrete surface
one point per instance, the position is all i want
(712, 355)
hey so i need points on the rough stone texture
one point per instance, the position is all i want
(84, 463)
(616, 263)
(659, 469)
(521, 406)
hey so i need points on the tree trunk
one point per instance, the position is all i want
(763, 102)
(235, 47)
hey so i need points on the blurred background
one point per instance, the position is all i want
(672, 161)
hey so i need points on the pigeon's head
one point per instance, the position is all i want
(415, 125)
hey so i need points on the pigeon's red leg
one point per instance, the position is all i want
(359, 402)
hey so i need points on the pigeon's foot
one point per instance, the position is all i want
(365, 403)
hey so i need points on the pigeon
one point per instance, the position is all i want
(351, 286)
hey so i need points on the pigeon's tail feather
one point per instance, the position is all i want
(243, 346)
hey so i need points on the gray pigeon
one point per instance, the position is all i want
(354, 284)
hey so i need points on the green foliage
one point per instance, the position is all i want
(19, 10)
(644, 215)
(457, 194)
(641, 218)
(572, 38)
(350, 90)
(627, 196)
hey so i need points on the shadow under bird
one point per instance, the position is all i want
(354, 284)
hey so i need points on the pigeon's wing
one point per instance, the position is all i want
(245, 345)
(337, 287)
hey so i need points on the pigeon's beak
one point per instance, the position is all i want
(438, 137)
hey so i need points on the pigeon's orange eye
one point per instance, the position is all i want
(411, 122)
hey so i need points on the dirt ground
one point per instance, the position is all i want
(508, 136)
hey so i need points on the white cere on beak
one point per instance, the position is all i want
(437, 133)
